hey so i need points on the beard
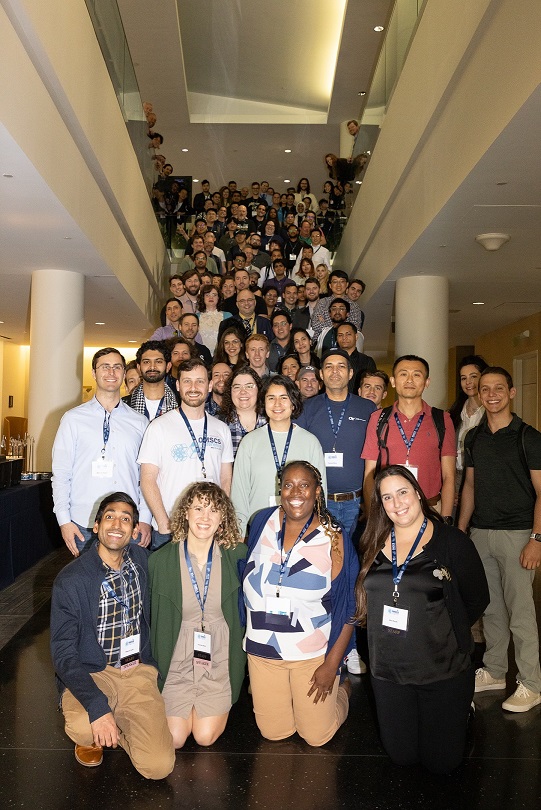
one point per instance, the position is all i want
(153, 376)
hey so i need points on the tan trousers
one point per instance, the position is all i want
(139, 712)
(281, 705)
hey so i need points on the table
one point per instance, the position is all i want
(28, 528)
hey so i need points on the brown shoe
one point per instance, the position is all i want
(89, 755)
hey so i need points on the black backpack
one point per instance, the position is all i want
(382, 431)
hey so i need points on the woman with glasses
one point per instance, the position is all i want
(240, 407)
(263, 453)
(230, 347)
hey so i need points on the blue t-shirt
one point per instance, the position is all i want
(350, 439)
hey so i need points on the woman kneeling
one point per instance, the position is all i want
(298, 590)
(195, 625)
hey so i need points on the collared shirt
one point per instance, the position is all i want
(321, 318)
(79, 442)
(212, 407)
(137, 400)
(121, 616)
(238, 432)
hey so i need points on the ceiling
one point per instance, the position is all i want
(200, 57)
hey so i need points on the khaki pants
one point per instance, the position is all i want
(281, 705)
(139, 713)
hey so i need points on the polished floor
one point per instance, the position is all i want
(38, 769)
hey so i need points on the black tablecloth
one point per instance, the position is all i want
(28, 528)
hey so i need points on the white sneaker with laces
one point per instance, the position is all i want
(485, 681)
(355, 665)
(522, 700)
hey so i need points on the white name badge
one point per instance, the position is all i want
(202, 649)
(129, 651)
(396, 619)
(292, 257)
(413, 470)
(278, 606)
(334, 459)
(102, 469)
(274, 500)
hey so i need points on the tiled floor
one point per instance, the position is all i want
(38, 770)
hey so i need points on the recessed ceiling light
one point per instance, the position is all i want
(443, 245)
(359, 182)
(7, 175)
(362, 93)
(67, 237)
(195, 180)
(132, 341)
(478, 303)
(504, 183)
(183, 150)
(287, 181)
(287, 150)
(100, 323)
(1, 321)
(379, 28)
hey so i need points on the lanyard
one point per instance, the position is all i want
(336, 429)
(195, 586)
(111, 592)
(281, 537)
(158, 412)
(106, 431)
(397, 575)
(413, 435)
(199, 450)
(280, 467)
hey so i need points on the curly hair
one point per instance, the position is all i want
(329, 524)
(228, 410)
(228, 533)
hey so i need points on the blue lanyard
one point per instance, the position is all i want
(195, 586)
(129, 622)
(106, 428)
(280, 467)
(336, 429)
(397, 575)
(413, 435)
(199, 450)
(281, 536)
(158, 412)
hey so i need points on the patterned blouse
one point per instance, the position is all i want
(238, 432)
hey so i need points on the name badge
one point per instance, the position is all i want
(277, 611)
(102, 469)
(334, 459)
(292, 257)
(202, 649)
(129, 651)
(413, 470)
(395, 619)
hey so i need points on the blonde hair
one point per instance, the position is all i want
(227, 534)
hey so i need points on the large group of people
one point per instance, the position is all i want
(251, 455)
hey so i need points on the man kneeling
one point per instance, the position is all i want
(101, 649)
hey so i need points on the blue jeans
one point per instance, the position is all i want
(346, 513)
(88, 534)
(158, 539)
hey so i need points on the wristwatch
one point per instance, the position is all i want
(448, 519)
(535, 536)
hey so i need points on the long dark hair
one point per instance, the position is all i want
(455, 411)
(221, 356)
(378, 527)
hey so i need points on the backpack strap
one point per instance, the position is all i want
(382, 431)
(439, 421)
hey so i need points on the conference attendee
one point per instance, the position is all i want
(257, 349)
(303, 346)
(289, 365)
(153, 396)
(346, 338)
(219, 375)
(299, 570)
(173, 314)
(338, 283)
(189, 330)
(192, 283)
(196, 628)
(95, 449)
(263, 453)
(248, 321)
(281, 342)
(230, 348)
(183, 446)
(308, 382)
(420, 589)
(241, 407)
(210, 318)
(467, 410)
(132, 378)
(373, 385)
(106, 675)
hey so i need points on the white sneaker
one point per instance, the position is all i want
(355, 665)
(485, 681)
(522, 700)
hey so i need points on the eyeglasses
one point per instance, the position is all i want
(236, 387)
(107, 368)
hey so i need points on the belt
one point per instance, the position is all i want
(344, 496)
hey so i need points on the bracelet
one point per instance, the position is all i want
(535, 536)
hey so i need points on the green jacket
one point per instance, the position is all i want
(166, 609)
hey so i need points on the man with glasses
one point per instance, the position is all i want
(95, 453)
(248, 320)
(338, 284)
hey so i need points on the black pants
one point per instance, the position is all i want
(425, 724)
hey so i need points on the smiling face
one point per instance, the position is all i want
(336, 374)
(308, 385)
(257, 352)
(203, 520)
(290, 368)
(338, 285)
(232, 345)
(173, 311)
(228, 288)
(109, 373)
(271, 297)
(278, 406)
(373, 388)
(301, 343)
(189, 326)
(116, 527)
(299, 493)
(495, 394)
(400, 501)
(220, 375)
(193, 386)
(469, 380)
(246, 303)
(180, 353)
(153, 366)
(132, 379)
(176, 285)
(244, 392)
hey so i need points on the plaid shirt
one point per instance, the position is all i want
(238, 432)
(137, 400)
(119, 610)
(321, 318)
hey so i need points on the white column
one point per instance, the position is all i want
(422, 328)
(56, 355)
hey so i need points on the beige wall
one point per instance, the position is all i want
(13, 380)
